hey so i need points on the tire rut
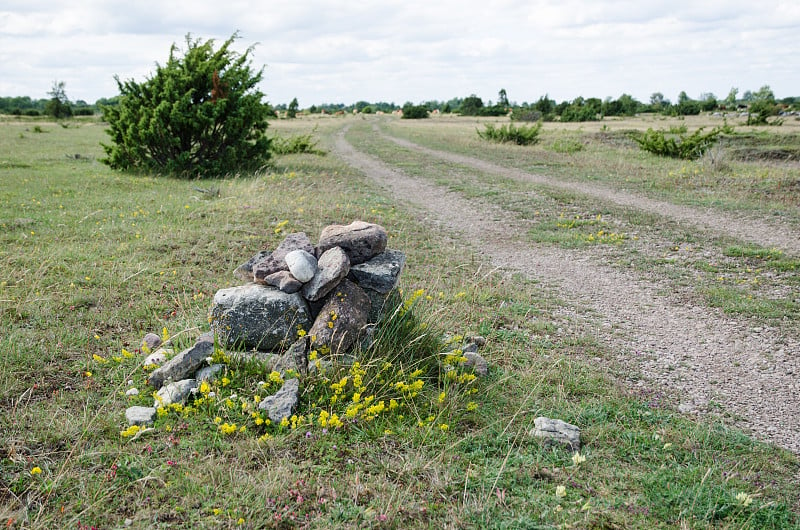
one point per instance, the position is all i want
(697, 355)
(756, 231)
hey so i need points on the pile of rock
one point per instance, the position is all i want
(330, 291)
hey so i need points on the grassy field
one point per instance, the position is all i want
(93, 259)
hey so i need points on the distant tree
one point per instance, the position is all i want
(656, 101)
(291, 111)
(762, 106)
(199, 115)
(471, 106)
(687, 106)
(708, 102)
(730, 101)
(58, 105)
(446, 109)
(414, 112)
(502, 98)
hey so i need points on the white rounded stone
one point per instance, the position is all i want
(301, 264)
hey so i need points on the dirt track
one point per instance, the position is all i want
(703, 357)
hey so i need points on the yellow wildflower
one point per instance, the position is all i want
(36, 470)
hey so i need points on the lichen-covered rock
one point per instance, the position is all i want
(333, 266)
(341, 320)
(176, 392)
(361, 241)
(381, 273)
(302, 264)
(257, 316)
(281, 404)
(209, 373)
(557, 432)
(276, 261)
(245, 271)
(183, 365)
(152, 341)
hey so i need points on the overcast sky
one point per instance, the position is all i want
(331, 51)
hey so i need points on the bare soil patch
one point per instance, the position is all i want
(708, 362)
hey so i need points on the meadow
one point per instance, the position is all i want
(92, 259)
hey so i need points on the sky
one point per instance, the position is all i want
(343, 51)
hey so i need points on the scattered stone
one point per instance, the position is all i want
(477, 363)
(176, 392)
(333, 267)
(152, 341)
(281, 404)
(302, 264)
(276, 261)
(132, 392)
(208, 373)
(257, 316)
(284, 281)
(183, 365)
(477, 339)
(557, 432)
(470, 347)
(360, 241)
(158, 357)
(381, 273)
(341, 320)
(295, 358)
(140, 415)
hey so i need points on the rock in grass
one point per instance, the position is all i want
(140, 415)
(176, 392)
(152, 341)
(477, 363)
(281, 404)
(361, 241)
(158, 357)
(209, 373)
(333, 266)
(557, 432)
(183, 365)
(257, 316)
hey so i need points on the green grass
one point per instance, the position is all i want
(92, 259)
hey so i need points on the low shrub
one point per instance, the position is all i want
(522, 135)
(293, 145)
(681, 145)
(414, 112)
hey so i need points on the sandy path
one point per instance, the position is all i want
(763, 233)
(699, 354)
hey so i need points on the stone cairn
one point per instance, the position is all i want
(297, 298)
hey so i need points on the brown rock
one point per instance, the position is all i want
(341, 320)
(332, 267)
(284, 281)
(360, 241)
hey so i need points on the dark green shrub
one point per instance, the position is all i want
(685, 146)
(522, 135)
(527, 114)
(200, 115)
(414, 112)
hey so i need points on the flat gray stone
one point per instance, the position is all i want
(176, 392)
(381, 273)
(183, 365)
(281, 404)
(361, 241)
(140, 415)
(258, 317)
(557, 432)
(302, 264)
(333, 267)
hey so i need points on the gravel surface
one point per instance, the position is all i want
(706, 361)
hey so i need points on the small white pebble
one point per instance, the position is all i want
(132, 392)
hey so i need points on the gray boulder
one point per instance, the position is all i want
(361, 241)
(140, 415)
(557, 432)
(477, 363)
(257, 316)
(302, 264)
(333, 267)
(276, 261)
(380, 273)
(245, 271)
(281, 404)
(209, 373)
(341, 320)
(183, 365)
